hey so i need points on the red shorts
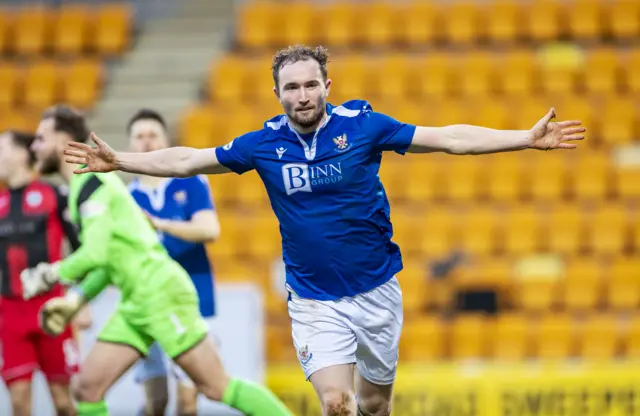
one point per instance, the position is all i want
(25, 347)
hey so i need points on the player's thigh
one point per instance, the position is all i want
(58, 357)
(19, 358)
(374, 399)
(322, 336)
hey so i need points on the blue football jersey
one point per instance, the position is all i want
(326, 193)
(179, 199)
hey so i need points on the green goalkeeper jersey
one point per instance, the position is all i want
(118, 243)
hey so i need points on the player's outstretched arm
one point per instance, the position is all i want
(472, 140)
(173, 162)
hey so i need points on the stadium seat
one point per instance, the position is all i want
(112, 29)
(554, 336)
(485, 273)
(618, 124)
(511, 337)
(19, 120)
(623, 292)
(393, 77)
(599, 337)
(559, 78)
(463, 178)
(70, 30)
(566, 229)
(415, 288)
(608, 229)
(628, 182)
(503, 22)
(632, 347)
(542, 20)
(41, 86)
(517, 73)
(460, 25)
(423, 339)
(623, 21)
(350, 76)
(6, 27)
(265, 240)
(421, 185)
(435, 81)
(255, 24)
(602, 71)
(32, 31)
(437, 238)
(468, 337)
(505, 177)
(252, 192)
(527, 112)
(522, 231)
(475, 75)
(10, 82)
(478, 230)
(548, 176)
(297, 29)
(492, 112)
(280, 343)
(226, 80)
(338, 31)
(382, 25)
(592, 179)
(198, 125)
(584, 18)
(582, 286)
(82, 83)
(632, 76)
(537, 295)
(418, 24)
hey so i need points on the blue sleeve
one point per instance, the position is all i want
(198, 195)
(237, 155)
(388, 133)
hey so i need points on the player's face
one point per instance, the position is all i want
(12, 157)
(303, 92)
(48, 147)
(147, 135)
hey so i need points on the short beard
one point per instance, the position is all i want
(314, 120)
(49, 166)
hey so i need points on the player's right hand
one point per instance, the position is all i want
(56, 314)
(38, 280)
(101, 158)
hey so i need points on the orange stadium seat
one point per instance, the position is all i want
(566, 229)
(602, 71)
(600, 337)
(478, 230)
(522, 230)
(41, 87)
(582, 286)
(619, 121)
(591, 176)
(632, 347)
(32, 30)
(632, 66)
(469, 337)
(10, 78)
(608, 229)
(418, 24)
(6, 27)
(554, 337)
(112, 28)
(517, 73)
(584, 18)
(542, 20)
(460, 25)
(227, 79)
(423, 339)
(198, 125)
(503, 21)
(623, 292)
(511, 337)
(623, 21)
(628, 182)
(19, 120)
(82, 83)
(475, 74)
(70, 30)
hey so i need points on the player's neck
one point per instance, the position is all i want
(306, 130)
(66, 170)
(20, 179)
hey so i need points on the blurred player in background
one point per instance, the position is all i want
(33, 226)
(182, 212)
(158, 300)
(319, 164)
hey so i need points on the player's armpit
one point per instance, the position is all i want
(464, 139)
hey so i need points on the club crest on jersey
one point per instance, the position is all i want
(180, 197)
(341, 143)
(34, 199)
(304, 355)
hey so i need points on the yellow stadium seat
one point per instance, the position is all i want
(600, 337)
(452, 111)
(460, 22)
(623, 22)
(339, 29)
(112, 29)
(464, 178)
(437, 236)
(537, 294)
(407, 232)
(10, 80)
(82, 83)
(421, 186)
(227, 79)
(505, 177)
(478, 231)
(487, 273)
(503, 22)
(608, 229)
(601, 75)
(41, 88)
(542, 20)
(582, 285)
(423, 339)
(381, 27)
(628, 182)
(632, 67)
(70, 30)
(415, 288)
(623, 284)
(584, 18)
(32, 31)
(280, 343)
(350, 79)
(417, 23)
(198, 125)
(559, 79)
(548, 176)
(555, 337)
(591, 177)
(619, 121)
(19, 120)
(491, 112)
(256, 24)
(632, 347)
(517, 73)
(522, 230)
(252, 192)
(302, 28)
(436, 80)
(566, 229)
(469, 338)
(527, 112)
(6, 27)
(475, 75)
(265, 238)
(393, 77)
(511, 337)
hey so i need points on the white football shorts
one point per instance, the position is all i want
(158, 364)
(363, 329)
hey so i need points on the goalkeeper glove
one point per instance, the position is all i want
(56, 313)
(39, 279)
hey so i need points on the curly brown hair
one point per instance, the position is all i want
(68, 120)
(297, 53)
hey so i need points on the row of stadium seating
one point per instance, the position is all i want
(506, 337)
(267, 24)
(69, 30)
(439, 74)
(38, 83)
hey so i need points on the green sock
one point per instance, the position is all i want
(93, 409)
(253, 399)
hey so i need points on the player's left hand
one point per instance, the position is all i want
(56, 314)
(38, 280)
(548, 134)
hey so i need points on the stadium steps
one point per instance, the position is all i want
(165, 69)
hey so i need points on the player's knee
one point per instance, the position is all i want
(338, 403)
(187, 401)
(88, 389)
(67, 409)
(156, 406)
(374, 406)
